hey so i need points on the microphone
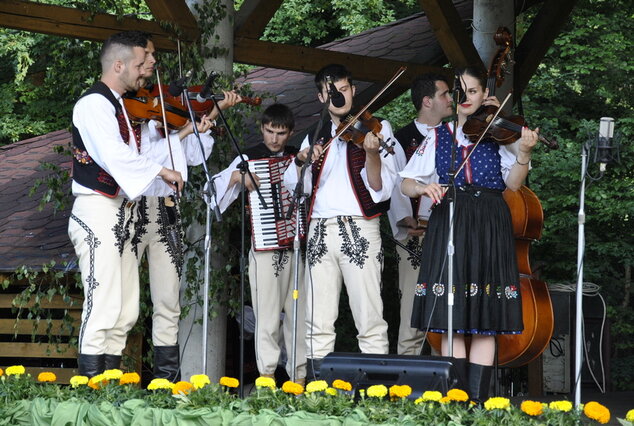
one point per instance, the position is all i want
(458, 92)
(604, 144)
(336, 98)
(205, 92)
(177, 87)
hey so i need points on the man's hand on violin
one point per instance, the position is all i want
(172, 178)
(303, 154)
(372, 143)
(231, 99)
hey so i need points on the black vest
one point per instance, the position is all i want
(410, 138)
(85, 171)
(356, 162)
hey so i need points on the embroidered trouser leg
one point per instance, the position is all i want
(271, 279)
(349, 249)
(99, 230)
(410, 340)
(158, 230)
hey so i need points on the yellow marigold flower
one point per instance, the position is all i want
(457, 395)
(532, 408)
(160, 384)
(597, 412)
(265, 382)
(129, 378)
(419, 400)
(97, 381)
(560, 406)
(331, 391)
(431, 396)
(182, 387)
(316, 386)
(630, 416)
(400, 391)
(445, 400)
(292, 387)
(77, 381)
(377, 391)
(46, 376)
(15, 370)
(342, 384)
(498, 403)
(229, 382)
(199, 380)
(114, 374)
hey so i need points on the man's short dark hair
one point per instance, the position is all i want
(278, 115)
(335, 71)
(125, 38)
(425, 85)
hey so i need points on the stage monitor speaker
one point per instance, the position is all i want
(421, 373)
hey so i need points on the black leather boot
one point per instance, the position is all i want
(112, 362)
(479, 382)
(313, 365)
(460, 368)
(167, 363)
(91, 365)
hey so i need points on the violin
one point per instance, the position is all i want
(505, 129)
(356, 132)
(200, 108)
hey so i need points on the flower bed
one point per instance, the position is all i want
(115, 398)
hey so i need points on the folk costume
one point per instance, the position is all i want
(109, 176)
(158, 230)
(486, 279)
(271, 274)
(410, 340)
(344, 244)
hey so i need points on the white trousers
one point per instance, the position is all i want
(410, 340)
(158, 231)
(271, 279)
(344, 249)
(99, 228)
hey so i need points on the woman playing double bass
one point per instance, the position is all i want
(486, 279)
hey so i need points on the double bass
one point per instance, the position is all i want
(515, 350)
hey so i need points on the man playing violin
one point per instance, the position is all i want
(408, 217)
(109, 177)
(351, 187)
(157, 228)
(487, 298)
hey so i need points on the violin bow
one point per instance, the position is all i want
(167, 131)
(491, 121)
(354, 119)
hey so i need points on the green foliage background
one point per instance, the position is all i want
(587, 74)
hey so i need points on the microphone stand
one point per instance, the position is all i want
(244, 170)
(300, 197)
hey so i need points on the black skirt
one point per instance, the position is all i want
(486, 279)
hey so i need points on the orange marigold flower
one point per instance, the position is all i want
(46, 376)
(400, 391)
(96, 382)
(1, 372)
(130, 378)
(292, 387)
(532, 408)
(229, 382)
(597, 412)
(342, 385)
(457, 395)
(444, 400)
(182, 387)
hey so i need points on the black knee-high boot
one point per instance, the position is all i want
(460, 368)
(112, 362)
(479, 382)
(167, 363)
(91, 365)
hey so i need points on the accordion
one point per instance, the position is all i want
(270, 230)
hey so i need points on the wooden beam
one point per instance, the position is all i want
(254, 16)
(538, 39)
(176, 12)
(311, 60)
(451, 33)
(75, 23)
(37, 350)
(56, 302)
